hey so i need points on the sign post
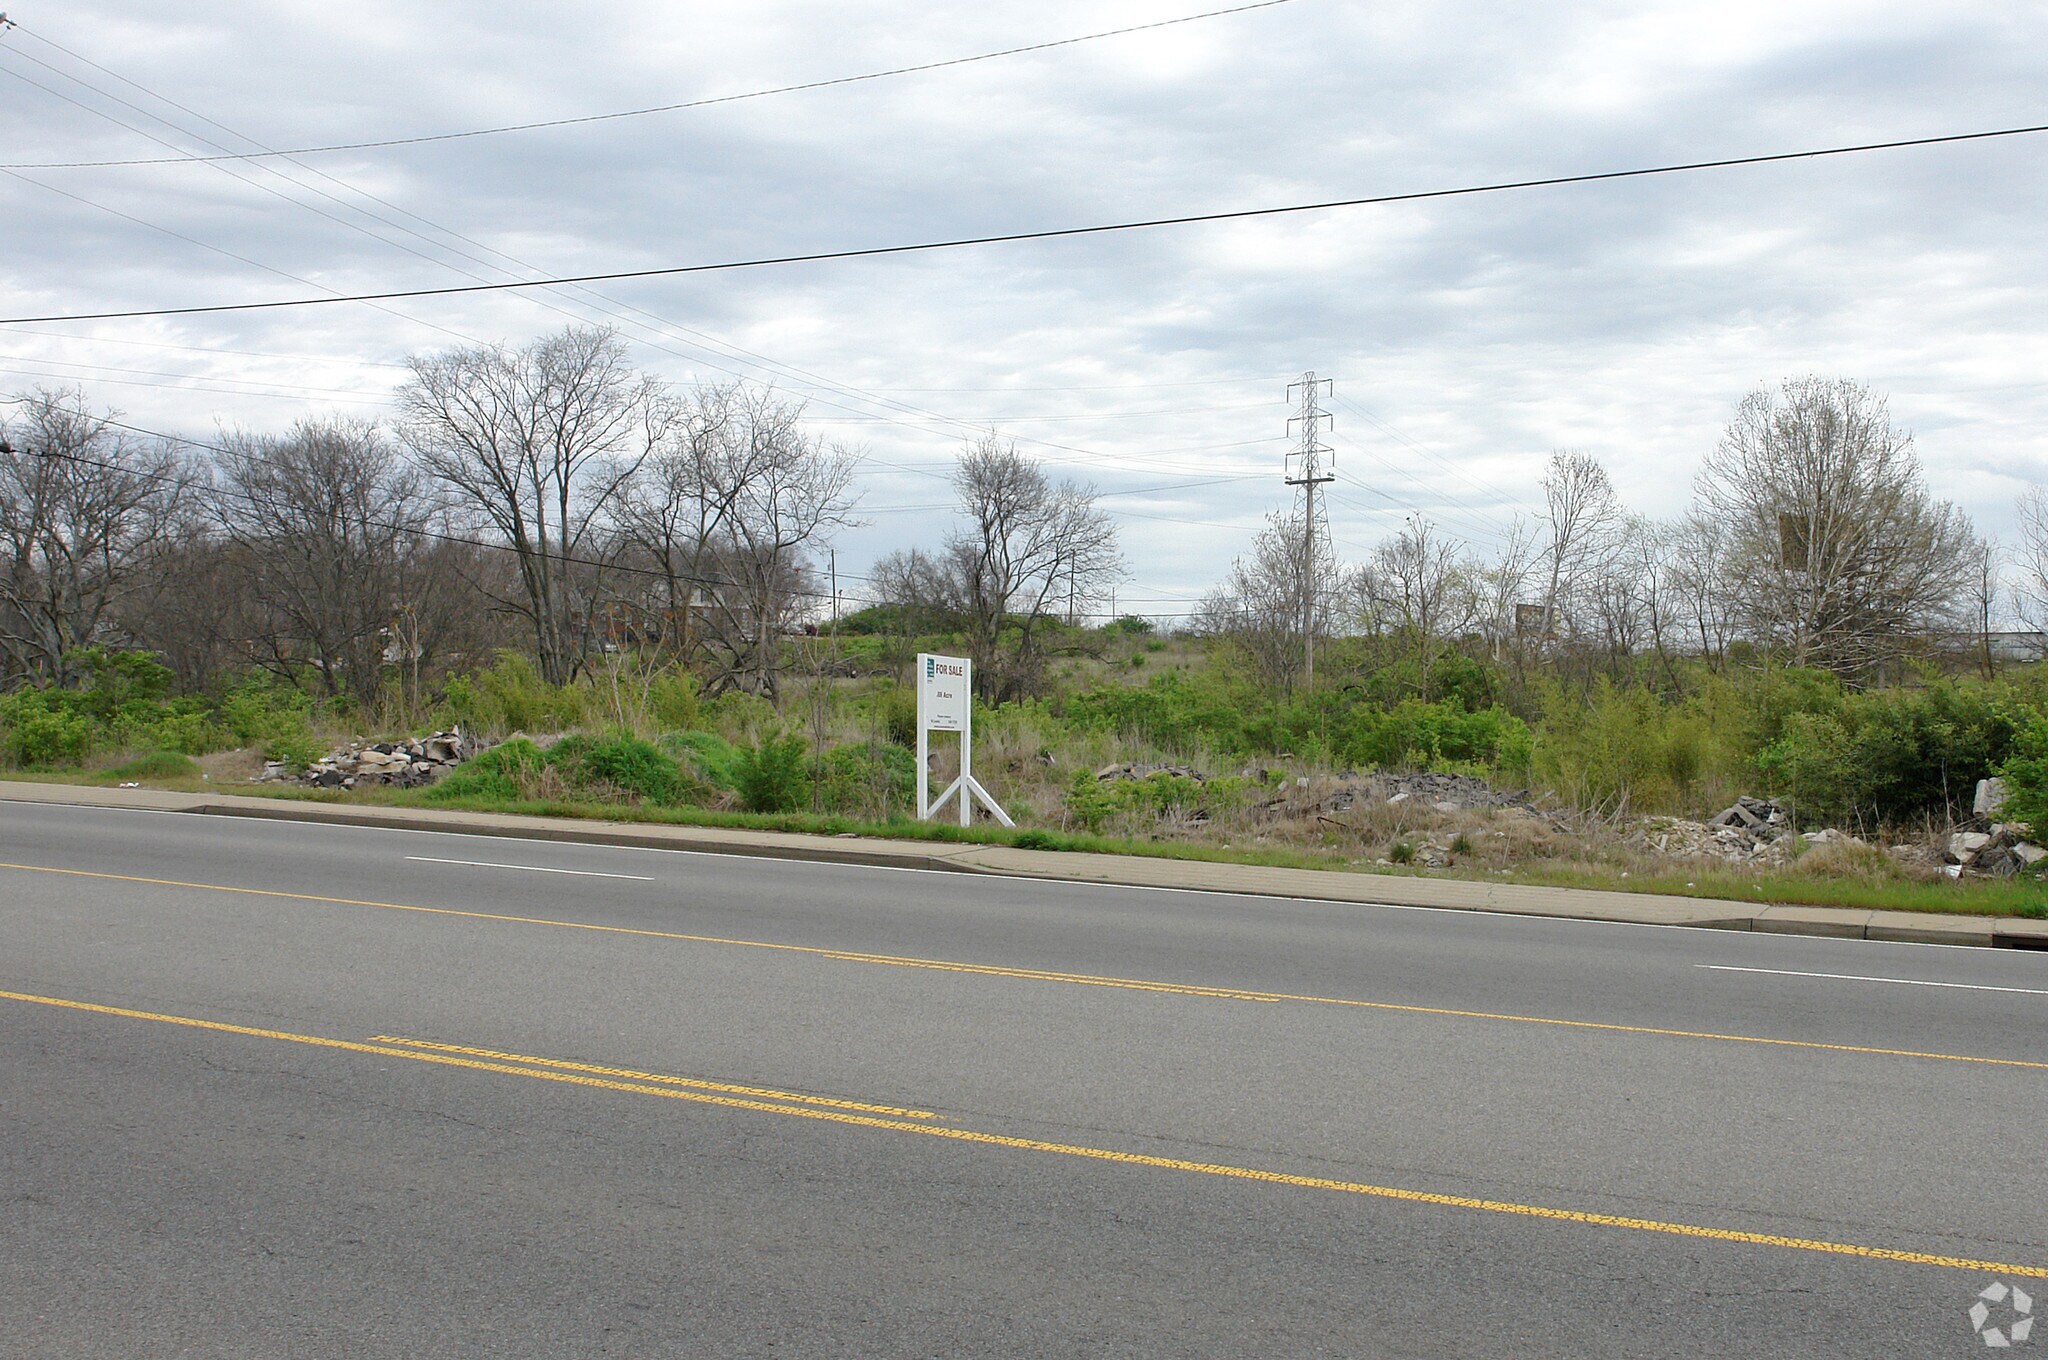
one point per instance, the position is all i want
(945, 703)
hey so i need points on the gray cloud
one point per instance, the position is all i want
(1468, 337)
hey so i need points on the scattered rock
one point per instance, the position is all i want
(1991, 796)
(405, 764)
(1751, 814)
(1964, 846)
(1134, 771)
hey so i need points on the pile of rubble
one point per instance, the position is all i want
(1136, 771)
(402, 764)
(1422, 788)
(1758, 831)
(2003, 851)
(1747, 831)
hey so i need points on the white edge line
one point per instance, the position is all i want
(1857, 977)
(527, 868)
(1489, 913)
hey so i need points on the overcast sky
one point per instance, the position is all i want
(1467, 338)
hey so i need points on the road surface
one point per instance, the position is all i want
(272, 1089)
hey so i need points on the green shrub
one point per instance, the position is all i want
(155, 765)
(296, 750)
(1812, 766)
(1439, 734)
(867, 780)
(1889, 756)
(113, 680)
(2025, 772)
(256, 711)
(708, 756)
(180, 725)
(898, 705)
(509, 695)
(44, 728)
(1095, 803)
(624, 764)
(774, 775)
(1623, 747)
(1173, 710)
(507, 772)
(672, 700)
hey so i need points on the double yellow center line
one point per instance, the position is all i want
(833, 1110)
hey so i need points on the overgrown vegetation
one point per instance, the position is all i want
(653, 655)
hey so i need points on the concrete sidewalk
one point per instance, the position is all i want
(1130, 870)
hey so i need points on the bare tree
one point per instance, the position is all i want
(1700, 583)
(1839, 558)
(1582, 516)
(330, 520)
(2030, 560)
(1636, 596)
(1418, 585)
(729, 511)
(537, 441)
(1032, 548)
(1258, 608)
(1987, 564)
(83, 511)
(1498, 588)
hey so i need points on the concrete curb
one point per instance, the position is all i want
(1075, 867)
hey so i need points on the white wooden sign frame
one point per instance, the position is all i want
(945, 703)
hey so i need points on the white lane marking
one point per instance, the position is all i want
(1855, 977)
(1490, 914)
(529, 868)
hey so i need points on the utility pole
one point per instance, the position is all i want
(835, 592)
(1308, 465)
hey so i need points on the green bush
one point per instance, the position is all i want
(867, 780)
(296, 750)
(155, 765)
(2025, 773)
(182, 725)
(1889, 756)
(1095, 803)
(1623, 747)
(623, 764)
(672, 700)
(1173, 710)
(1438, 734)
(510, 696)
(1812, 766)
(257, 713)
(774, 775)
(507, 772)
(44, 728)
(708, 756)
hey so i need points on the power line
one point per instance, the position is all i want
(1047, 234)
(611, 308)
(629, 113)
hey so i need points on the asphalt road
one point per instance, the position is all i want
(270, 1089)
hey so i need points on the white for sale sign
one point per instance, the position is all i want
(945, 697)
(944, 684)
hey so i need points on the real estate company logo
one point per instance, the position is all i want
(2017, 1313)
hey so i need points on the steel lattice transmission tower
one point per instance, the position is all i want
(1310, 463)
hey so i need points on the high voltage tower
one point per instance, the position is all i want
(1310, 464)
